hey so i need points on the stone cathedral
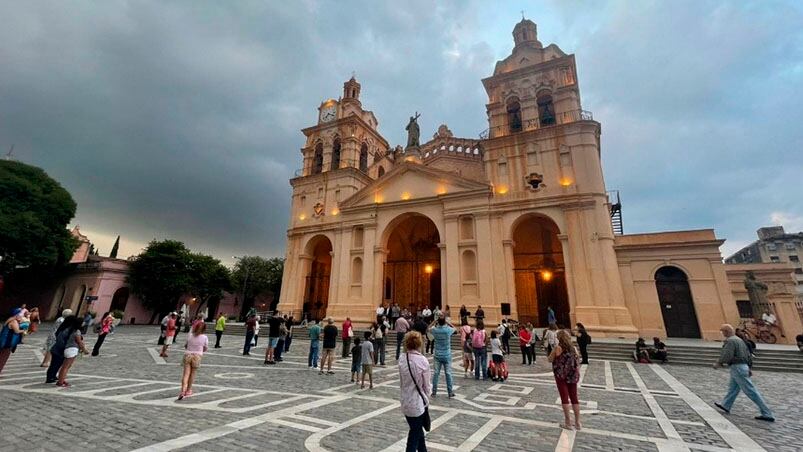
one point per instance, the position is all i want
(516, 220)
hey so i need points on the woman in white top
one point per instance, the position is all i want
(415, 385)
(197, 344)
(551, 338)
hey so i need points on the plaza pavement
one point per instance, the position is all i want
(126, 400)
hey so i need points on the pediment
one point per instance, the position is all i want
(411, 181)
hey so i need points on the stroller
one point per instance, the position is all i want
(498, 371)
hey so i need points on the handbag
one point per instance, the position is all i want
(426, 421)
(351, 332)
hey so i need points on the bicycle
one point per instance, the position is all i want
(758, 331)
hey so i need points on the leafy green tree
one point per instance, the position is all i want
(210, 279)
(255, 275)
(161, 274)
(34, 212)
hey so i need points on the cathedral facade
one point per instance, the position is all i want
(517, 220)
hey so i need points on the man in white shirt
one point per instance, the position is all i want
(427, 314)
(769, 318)
(380, 311)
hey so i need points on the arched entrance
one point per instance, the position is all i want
(120, 299)
(316, 291)
(412, 270)
(539, 271)
(677, 305)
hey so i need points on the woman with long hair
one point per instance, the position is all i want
(566, 367)
(197, 344)
(73, 344)
(104, 328)
(478, 344)
(51, 337)
(583, 339)
(415, 386)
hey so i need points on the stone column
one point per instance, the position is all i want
(510, 277)
(445, 268)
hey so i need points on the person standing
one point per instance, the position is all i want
(533, 339)
(583, 339)
(220, 326)
(347, 334)
(329, 345)
(314, 344)
(275, 323)
(395, 313)
(414, 376)
(468, 356)
(478, 339)
(426, 313)
(524, 345)
(35, 320)
(736, 355)
(464, 315)
(380, 311)
(250, 330)
(479, 314)
(443, 354)
(504, 336)
(402, 326)
(497, 358)
(289, 338)
(170, 332)
(566, 367)
(256, 332)
(379, 340)
(74, 344)
(51, 337)
(162, 327)
(197, 344)
(10, 336)
(367, 357)
(180, 320)
(550, 315)
(447, 313)
(279, 349)
(105, 326)
(551, 337)
(356, 361)
(87, 322)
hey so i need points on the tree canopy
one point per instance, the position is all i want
(34, 212)
(210, 279)
(257, 275)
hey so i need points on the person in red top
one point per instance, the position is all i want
(346, 336)
(170, 333)
(524, 344)
(105, 328)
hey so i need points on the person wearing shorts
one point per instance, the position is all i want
(329, 344)
(367, 358)
(170, 333)
(197, 344)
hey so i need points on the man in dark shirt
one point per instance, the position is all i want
(480, 314)
(274, 324)
(329, 344)
(249, 334)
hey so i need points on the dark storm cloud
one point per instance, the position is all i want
(181, 119)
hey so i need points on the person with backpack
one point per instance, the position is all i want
(504, 335)
(478, 338)
(583, 340)
(10, 336)
(566, 368)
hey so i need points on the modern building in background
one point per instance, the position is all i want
(774, 245)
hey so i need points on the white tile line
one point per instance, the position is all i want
(735, 438)
(663, 420)
(39, 355)
(155, 355)
(476, 438)
(440, 420)
(300, 417)
(296, 425)
(566, 441)
(608, 376)
(313, 442)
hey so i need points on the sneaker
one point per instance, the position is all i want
(266, 363)
(330, 372)
(725, 410)
(451, 394)
(63, 385)
(50, 381)
(180, 395)
(320, 373)
(765, 418)
(433, 395)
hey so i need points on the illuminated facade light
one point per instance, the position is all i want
(405, 196)
(428, 269)
(565, 181)
(546, 275)
(502, 189)
(302, 217)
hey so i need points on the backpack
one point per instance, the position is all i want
(478, 339)
(8, 338)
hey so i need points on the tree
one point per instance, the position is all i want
(116, 247)
(254, 275)
(161, 274)
(210, 279)
(34, 212)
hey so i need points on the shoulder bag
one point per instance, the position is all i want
(426, 421)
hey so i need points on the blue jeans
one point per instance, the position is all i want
(446, 364)
(415, 438)
(277, 352)
(480, 362)
(247, 347)
(740, 380)
(312, 360)
(399, 339)
(379, 353)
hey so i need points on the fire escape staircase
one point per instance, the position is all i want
(615, 204)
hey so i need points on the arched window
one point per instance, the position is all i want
(317, 159)
(364, 157)
(336, 154)
(469, 266)
(356, 270)
(514, 115)
(381, 171)
(546, 110)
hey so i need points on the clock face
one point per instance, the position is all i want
(328, 113)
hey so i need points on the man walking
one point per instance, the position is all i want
(402, 326)
(443, 354)
(275, 323)
(347, 334)
(736, 354)
(220, 325)
(250, 330)
(314, 343)
(329, 344)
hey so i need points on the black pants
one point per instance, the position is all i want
(584, 353)
(287, 341)
(277, 352)
(247, 347)
(430, 345)
(219, 334)
(56, 360)
(506, 344)
(415, 437)
(526, 355)
(346, 345)
(96, 349)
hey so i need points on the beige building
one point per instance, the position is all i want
(516, 221)
(774, 246)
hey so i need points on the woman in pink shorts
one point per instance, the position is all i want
(196, 346)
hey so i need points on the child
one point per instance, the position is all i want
(468, 356)
(497, 357)
(367, 361)
(356, 354)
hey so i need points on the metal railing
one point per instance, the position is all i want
(328, 167)
(537, 123)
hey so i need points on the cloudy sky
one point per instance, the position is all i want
(181, 119)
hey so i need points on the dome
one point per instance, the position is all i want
(526, 33)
